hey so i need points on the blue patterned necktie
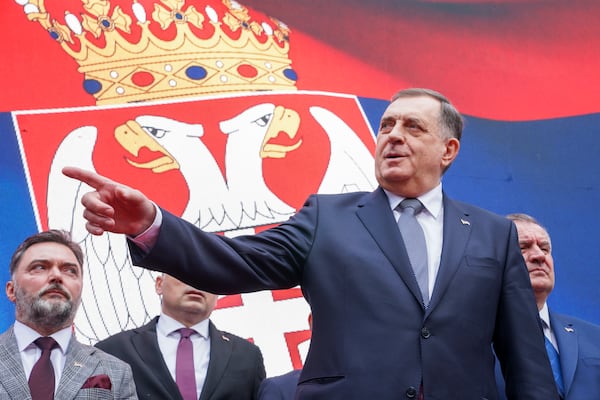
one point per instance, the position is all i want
(185, 375)
(414, 240)
(555, 363)
(41, 379)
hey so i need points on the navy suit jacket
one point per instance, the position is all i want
(372, 337)
(235, 368)
(281, 387)
(579, 353)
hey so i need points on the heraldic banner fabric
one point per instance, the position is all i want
(230, 114)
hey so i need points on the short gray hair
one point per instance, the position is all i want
(451, 120)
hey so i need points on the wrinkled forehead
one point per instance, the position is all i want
(413, 106)
(50, 253)
(530, 231)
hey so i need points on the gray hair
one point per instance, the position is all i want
(451, 120)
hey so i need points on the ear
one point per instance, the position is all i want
(10, 291)
(158, 285)
(451, 151)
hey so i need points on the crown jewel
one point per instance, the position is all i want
(173, 49)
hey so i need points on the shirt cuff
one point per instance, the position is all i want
(147, 239)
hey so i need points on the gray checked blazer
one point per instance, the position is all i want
(82, 363)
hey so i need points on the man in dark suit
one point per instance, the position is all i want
(46, 284)
(576, 341)
(280, 387)
(379, 332)
(226, 366)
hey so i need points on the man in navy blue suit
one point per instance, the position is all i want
(577, 342)
(377, 333)
(281, 387)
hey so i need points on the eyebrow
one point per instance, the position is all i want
(405, 117)
(49, 261)
(530, 240)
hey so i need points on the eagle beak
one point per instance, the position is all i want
(132, 137)
(284, 120)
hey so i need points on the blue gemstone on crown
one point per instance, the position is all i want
(92, 86)
(196, 72)
(290, 74)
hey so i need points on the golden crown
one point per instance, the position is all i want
(180, 52)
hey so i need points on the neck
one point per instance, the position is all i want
(188, 320)
(540, 301)
(44, 330)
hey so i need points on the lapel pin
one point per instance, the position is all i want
(225, 338)
(569, 329)
(464, 222)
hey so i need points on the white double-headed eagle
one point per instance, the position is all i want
(118, 295)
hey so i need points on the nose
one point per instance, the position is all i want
(396, 134)
(55, 274)
(535, 254)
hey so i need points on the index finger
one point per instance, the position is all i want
(89, 177)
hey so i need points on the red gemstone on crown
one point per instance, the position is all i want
(142, 78)
(247, 71)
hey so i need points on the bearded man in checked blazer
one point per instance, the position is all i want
(46, 284)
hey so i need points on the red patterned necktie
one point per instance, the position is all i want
(185, 375)
(41, 379)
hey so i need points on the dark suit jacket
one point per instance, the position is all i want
(82, 363)
(579, 352)
(372, 338)
(282, 387)
(235, 369)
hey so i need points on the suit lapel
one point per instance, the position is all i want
(378, 219)
(220, 353)
(145, 344)
(566, 336)
(13, 376)
(79, 366)
(457, 229)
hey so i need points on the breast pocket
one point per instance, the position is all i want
(591, 362)
(324, 388)
(484, 267)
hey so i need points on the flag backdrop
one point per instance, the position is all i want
(230, 115)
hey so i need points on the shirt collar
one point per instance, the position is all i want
(167, 326)
(25, 336)
(545, 316)
(432, 200)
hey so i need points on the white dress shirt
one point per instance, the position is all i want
(168, 340)
(431, 220)
(30, 353)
